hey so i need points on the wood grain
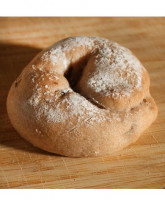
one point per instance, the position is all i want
(141, 165)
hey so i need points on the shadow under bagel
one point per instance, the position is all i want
(13, 59)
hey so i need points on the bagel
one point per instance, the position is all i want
(82, 96)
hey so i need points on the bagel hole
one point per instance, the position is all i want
(74, 74)
(75, 70)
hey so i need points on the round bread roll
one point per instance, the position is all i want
(83, 96)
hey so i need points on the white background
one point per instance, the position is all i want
(82, 7)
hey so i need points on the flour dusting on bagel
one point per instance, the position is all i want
(82, 96)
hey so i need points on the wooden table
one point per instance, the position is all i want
(141, 165)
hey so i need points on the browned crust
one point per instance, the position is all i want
(79, 138)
